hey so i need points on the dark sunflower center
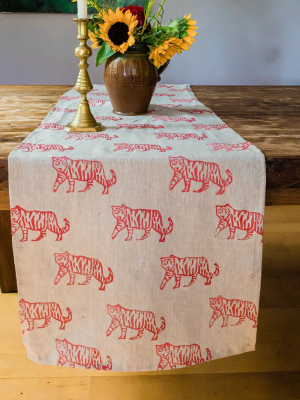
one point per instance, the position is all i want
(118, 33)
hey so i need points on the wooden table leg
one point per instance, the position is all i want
(8, 282)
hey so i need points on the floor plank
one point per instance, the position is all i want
(267, 386)
(45, 389)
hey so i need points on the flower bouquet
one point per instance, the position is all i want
(137, 48)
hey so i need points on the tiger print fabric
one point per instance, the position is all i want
(137, 248)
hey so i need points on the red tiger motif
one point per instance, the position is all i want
(32, 311)
(180, 136)
(196, 111)
(94, 103)
(36, 221)
(108, 118)
(47, 125)
(29, 147)
(81, 170)
(81, 355)
(180, 90)
(66, 110)
(169, 105)
(209, 127)
(89, 267)
(183, 355)
(188, 266)
(232, 308)
(164, 86)
(90, 136)
(133, 319)
(230, 147)
(139, 219)
(68, 98)
(172, 119)
(163, 95)
(139, 126)
(143, 147)
(239, 219)
(183, 100)
(101, 94)
(198, 171)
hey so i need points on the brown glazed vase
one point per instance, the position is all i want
(130, 79)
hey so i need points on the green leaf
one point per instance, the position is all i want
(103, 54)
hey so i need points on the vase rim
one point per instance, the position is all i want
(138, 47)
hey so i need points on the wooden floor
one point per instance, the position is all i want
(272, 372)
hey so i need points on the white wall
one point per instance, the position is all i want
(240, 42)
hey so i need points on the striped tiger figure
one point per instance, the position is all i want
(81, 355)
(230, 147)
(232, 308)
(36, 221)
(30, 147)
(133, 319)
(89, 267)
(189, 266)
(46, 311)
(81, 170)
(184, 355)
(140, 219)
(239, 219)
(198, 171)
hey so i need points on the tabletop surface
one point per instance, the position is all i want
(267, 116)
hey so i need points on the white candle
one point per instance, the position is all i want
(82, 9)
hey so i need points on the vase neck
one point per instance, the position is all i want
(138, 48)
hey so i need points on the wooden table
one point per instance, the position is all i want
(266, 116)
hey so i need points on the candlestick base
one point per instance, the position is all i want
(71, 128)
(83, 120)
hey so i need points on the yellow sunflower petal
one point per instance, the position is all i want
(128, 17)
(94, 40)
(191, 33)
(131, 41)
(185, 46)
(133, 25)
(188, 40)
(156, 63)
(112, 14)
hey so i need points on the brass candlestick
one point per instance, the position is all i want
(83, 120)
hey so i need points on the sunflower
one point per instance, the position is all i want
(117, 30)
(184, 29)
(97, 42)
(189, 32)
(165, 51)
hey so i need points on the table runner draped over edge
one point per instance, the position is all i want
(174, 178)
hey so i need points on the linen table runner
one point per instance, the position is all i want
(137, 248)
